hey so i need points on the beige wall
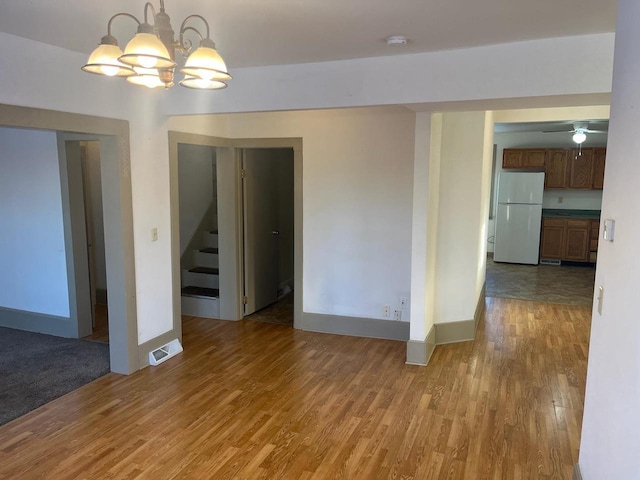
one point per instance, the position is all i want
(357, 195)
(610, 435)
(465, 175)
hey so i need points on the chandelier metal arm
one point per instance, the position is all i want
(185, 46)
(120, 15)
(153, 11)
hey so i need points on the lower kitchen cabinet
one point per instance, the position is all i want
(593, 244)
(552, 241)
(577, 234)
(566, 239)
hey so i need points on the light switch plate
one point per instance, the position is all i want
(608, 230)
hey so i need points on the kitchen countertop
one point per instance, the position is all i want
(581, 214)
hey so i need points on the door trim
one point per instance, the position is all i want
(176, 137)
(116, 170)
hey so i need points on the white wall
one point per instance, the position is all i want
(572, 199)
(465, 176)
(32, 252)
(357, 194)
(610, 435)
(68, 89)
(373, 166)
(548, 67)
(196, 188)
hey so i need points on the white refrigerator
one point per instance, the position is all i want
(519, 217)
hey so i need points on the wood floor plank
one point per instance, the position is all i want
(261, 400)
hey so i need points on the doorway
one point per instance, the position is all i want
(94, 227)
(230, 218)
(568, 230)
(268, 231)
(118, 220)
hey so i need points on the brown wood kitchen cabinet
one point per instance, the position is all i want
(593, 243)
(524, 157)
(555, 168)
(563, 168)
(577, 236)
(581, 168)
(566, 239)
(552, 241)
(599, 155)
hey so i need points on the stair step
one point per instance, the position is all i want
(206, 307)
(208, 270)
(209, 239)
(200, 279)
(209, 250)
(193, 291)
(208, 259)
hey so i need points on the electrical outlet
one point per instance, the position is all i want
(560, 199)
(154, 234)
(403, 302)
(386, 311)
(397, 314)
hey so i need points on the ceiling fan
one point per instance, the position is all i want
(579, 130)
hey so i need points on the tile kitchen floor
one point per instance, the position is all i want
(564, 284)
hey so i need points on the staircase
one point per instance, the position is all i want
(201, 281)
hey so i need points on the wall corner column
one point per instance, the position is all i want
(423, 238)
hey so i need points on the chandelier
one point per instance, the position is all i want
(149, 57)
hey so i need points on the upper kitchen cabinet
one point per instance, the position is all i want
(524, 158)
(555, 169)
(563, 168)
(581, 168)
(599, 155)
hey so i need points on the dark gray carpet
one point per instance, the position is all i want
(37, 368)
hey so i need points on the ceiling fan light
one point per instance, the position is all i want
(206, 63)
(146, 50)
(202, 83)
(104, 61)
(579, 137)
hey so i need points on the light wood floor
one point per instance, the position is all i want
(257, 400)
(101, 328)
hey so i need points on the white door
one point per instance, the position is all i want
(261, 234)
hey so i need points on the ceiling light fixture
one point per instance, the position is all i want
(149, 57)
(580, 136)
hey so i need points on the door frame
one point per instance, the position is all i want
(118, 220)
(247, 249)
(231, 266)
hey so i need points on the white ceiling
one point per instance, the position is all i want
(272, 32)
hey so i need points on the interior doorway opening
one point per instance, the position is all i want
(268, 231)
(198, 224)
(230, 220)
(94, 227)
(563, 238)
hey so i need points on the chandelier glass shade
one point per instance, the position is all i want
(149, 57)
